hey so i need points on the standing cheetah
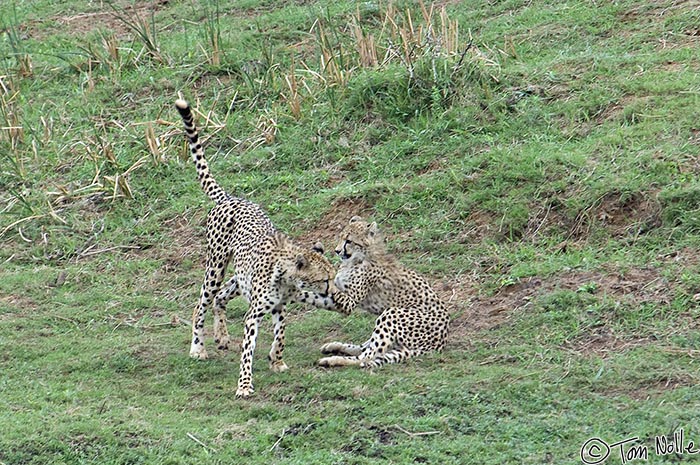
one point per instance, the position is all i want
(270, 269)
(412, 318)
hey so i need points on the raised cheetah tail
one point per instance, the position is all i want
(207, 181)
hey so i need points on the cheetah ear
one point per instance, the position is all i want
(318, 247)
(355, 219)
(301, 262)
(372, 229)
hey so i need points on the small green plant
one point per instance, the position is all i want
(212, 33)
(10, 25)
(292, 96)
(11, 128)
(432, 68)
(143, 28)
(507, 281)
(587, 288)
(104, 54)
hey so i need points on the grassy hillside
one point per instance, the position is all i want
(538, 161)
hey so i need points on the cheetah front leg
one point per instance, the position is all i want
(308, 297)
(392, 356)
(230, 290)
(276, 363)
(252, 323)
(336, 301)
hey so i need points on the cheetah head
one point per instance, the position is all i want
(358, 238)
(310, 270)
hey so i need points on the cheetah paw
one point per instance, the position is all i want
(331, 348)
(337, 361)
(223, 343)
(279, 366)
(199, 353)
(244, 392)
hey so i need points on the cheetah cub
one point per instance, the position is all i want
(269, 268)
(412, 318)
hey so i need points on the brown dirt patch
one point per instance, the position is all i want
(85, 23)
(674, 66)
(24, 303)
(653, 11)
(620, 215)
(688, 256)
(334, 220)
(601, 341)
(185, 241)
(436, 164)
(474, 312)
(649, 389)
(615, 110)
(482, 224)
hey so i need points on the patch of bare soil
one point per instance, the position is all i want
(475, 313)
(25, 304)
(185, 241)
(654, 11)
(650, 389)
(481, 225)
(615, 110)
(436, 164)
(329, 226)
(84, 23)
(620, 215)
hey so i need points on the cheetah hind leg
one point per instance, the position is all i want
(392, 356)
(250, 334)
(380, 343)
(339, 348)
(213, 278)
(355, 355)
(230, 290)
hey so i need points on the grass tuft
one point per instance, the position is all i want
(144, 29)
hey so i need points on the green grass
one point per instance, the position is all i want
(545, 181)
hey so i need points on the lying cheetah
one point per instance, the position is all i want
(412, 318)
(270, 269)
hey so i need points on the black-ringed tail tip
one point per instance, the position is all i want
(181, 104)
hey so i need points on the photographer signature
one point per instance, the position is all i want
(595, 450)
